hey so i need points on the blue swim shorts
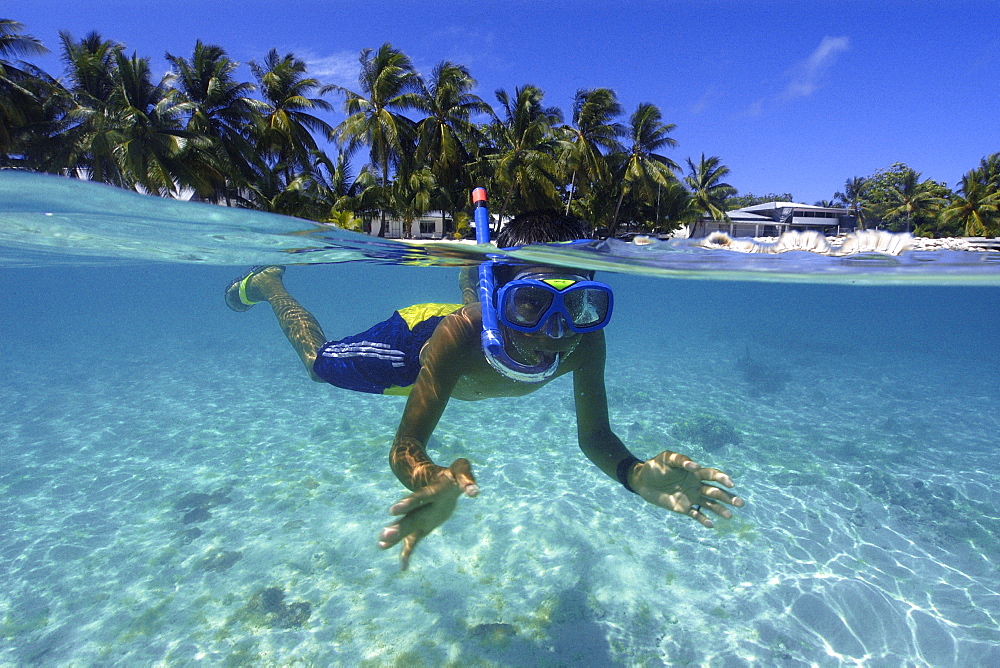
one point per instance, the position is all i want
(385, 359)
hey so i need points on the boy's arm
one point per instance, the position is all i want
(593, 427)
(443, 362)
(669, 480)
(435, 488)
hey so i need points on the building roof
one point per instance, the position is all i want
(771, 206)
(744, 216)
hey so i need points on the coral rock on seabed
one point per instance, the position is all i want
(271, 602)
(708, 431)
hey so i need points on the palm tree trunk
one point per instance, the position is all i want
(504, 203)
(385, 185)
(614, 218)
(572, 189)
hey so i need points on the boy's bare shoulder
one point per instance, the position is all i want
(466, 321)
(456, 334)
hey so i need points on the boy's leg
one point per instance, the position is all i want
(300, 327)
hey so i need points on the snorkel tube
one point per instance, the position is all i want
(492, 339)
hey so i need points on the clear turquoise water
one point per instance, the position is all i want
(167, 469)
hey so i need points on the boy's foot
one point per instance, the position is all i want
(242, 293)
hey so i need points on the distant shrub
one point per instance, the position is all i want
(462, 226)
(345, 220)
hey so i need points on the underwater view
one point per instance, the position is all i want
(175, 490)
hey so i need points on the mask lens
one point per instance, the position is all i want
(587, 307)
(526, 305)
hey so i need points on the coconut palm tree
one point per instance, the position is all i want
(91, 133)
(593, 133)
(13, 43)
(148, 117)
(643, 167)
(220, 112)
(353, 196)
(411, 195)
(977, 207)
(599, 201)
(121, 128)
(708, 190)
(33, 108)
(21, 96)
(675, 206)
(388, 85)
(853, 198)
(284, 126)
(444, 137)
(363, 197)
(521, 160)
(911, 198)
(989, 171)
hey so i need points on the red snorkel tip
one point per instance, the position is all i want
(478, 195)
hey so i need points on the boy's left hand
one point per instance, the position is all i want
(672, 481)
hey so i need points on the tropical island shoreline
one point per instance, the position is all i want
(419, 142)
(863, 241)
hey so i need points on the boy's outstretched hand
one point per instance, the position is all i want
(672, 481)
(427, 508)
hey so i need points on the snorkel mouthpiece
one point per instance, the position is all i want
(491, 338)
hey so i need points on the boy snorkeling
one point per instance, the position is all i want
(531, 324)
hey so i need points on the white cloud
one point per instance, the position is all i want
(804, 78)
(339, 68)
(755, 109)
(807, 75)
(706, 101)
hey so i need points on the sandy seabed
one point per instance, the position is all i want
(176, 516)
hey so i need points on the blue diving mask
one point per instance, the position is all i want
(533, 302)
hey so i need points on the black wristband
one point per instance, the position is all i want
(624, 466)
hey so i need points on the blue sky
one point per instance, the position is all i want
(793, 96)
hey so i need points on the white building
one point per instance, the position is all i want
(771, 219)
(431, 225)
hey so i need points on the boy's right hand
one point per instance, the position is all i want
(427, 508)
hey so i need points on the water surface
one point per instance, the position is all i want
(176, 490)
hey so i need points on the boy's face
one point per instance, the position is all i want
(554, 337)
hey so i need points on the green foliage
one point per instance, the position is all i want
(643, 170)
(740, 201)
(896, 199)
(594, 132)
(521, 162)
(388, 86)
(853, 199)
(710, 431)
(975, 209)
(462, 225)
(708, 190)
(345, 220)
